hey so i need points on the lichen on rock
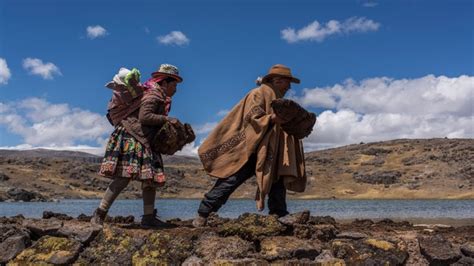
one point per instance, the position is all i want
(251, 226)
(49, 250)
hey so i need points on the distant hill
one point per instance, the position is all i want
(406, 168)
(45, 153)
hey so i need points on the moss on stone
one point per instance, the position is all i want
(49, 250)
(252, 226)
(380, 244)
(163, 249)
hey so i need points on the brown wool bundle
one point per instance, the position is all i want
(299, 123)
(172, 138)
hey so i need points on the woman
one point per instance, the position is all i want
(130, 153)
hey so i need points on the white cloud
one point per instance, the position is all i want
(42, 124)
(316, 31)
(5, 73)
(223, 112)
(370, 4)
(174, 38)
(381, 109)
(36, 66)
(205, 128)
(96, 31)
(189, 150)
(40, 110)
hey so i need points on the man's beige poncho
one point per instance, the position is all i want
(246, 130)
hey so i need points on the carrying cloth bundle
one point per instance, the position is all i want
(247, 130)
(172, 138)
(126, 97)
(300, 122)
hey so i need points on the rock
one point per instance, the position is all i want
(434, 226)
(363, 222)
(303, 231)
(211, 247)
(18, 194)
(84, 218)
(251, 226)
(321, 220)
(287, 247)
(375, 151)
(377, 162)
(49, 249)
(468, 249)
(327, 259)
(214, 220)
(115, 246)
(120, 219)
(242, 262)
(12, 246)
(193, 261)
(369, 252)
(325, 232)
(59, 216)
(162, 248)
(83, 233)
(295, 218)
(4, 177)
(351, 235)
(464, 261)
(437, 250)
(380, 244)
(41, 228)
(8, 230)
(386, 222)
(381, 177)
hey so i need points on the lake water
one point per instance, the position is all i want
(186, 208)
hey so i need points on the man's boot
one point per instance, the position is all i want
(151, 220)
(99, 216)
(199, 221)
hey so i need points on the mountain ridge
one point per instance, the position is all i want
(395, 169)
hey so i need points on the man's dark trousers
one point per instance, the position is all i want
(218, 195)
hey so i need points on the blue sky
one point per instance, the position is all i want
(372, 70)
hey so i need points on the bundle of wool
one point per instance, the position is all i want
(172, 137)
(299, 122)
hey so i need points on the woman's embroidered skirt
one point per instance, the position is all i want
(126, 157)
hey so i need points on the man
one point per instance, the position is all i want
(249, 141)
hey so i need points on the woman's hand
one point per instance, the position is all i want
(173, 120)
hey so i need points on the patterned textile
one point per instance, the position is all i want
(126, 157)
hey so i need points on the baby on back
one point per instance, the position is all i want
(127, 94)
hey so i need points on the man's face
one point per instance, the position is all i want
(282, 84)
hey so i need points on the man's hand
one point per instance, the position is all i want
(277, 120)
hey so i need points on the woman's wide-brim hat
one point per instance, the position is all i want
(280, 71)
(167, 70)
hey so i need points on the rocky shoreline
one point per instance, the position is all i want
(250, 239)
